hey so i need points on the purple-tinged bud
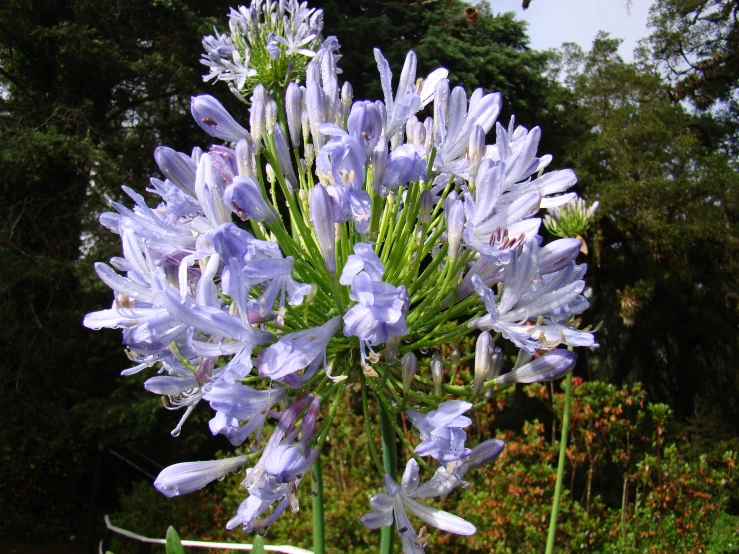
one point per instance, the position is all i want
(293, 100)
(427, 206)
(550, 366)
(322, 217)
(347, 95)
(177, 167)
(187, 477)
(437, 372)
(257, 122)
(209, 188)
(483, 360)
(244, 198)
(454, 227)
(409, 367)
(482, 454)
(245, 158)
(450, 199)
(289, 71)
(283, 156)
(224, 161)
(379, 165)
(316, 108)
(272, 47)
(213, 118)
(270, 115)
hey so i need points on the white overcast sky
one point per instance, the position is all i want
(552, 22)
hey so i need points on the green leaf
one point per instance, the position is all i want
(174, 546)
(258, 545)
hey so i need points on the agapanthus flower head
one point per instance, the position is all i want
(353, 237)
(265, 39)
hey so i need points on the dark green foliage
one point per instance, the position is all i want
(665, 255)
(655, 486)
(479, 48)
(88, 90)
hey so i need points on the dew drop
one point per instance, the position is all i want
(222, 477)
(424, 350)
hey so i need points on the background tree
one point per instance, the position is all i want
(695, 43)
(666, 249)
(88, 89)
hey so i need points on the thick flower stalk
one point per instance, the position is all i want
(321, 244)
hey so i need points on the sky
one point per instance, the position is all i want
(552, 22)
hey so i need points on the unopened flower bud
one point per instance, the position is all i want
(283, 156)
(454, 227)
(305, 125)
(379, 164)
(316, 108)
(245, 158)
(483, 360)
(322, 217)
(496, 363)
(271, 176)
(391, 349)
(186, 477)
(289, 71)
(429, 128)
(550, 366)
(347, 95)
(410, 365)
(270, 115)
(196, 153)
(259, 93)
(454, 359)
(427, 206)
(450, 199)
(476, 150)
(293, 108)
(257, 122)
(213, 118)
(437, 372)
(310, 155)
(177, 167)
(244, 198)
(441, 109)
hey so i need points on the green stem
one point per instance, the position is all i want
(389, 463)
(318, 532)
(560, 465)
(368, 427)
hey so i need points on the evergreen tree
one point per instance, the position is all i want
(666, 247)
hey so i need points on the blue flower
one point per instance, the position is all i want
(441, 431)
(381, 308)
(402, 497)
